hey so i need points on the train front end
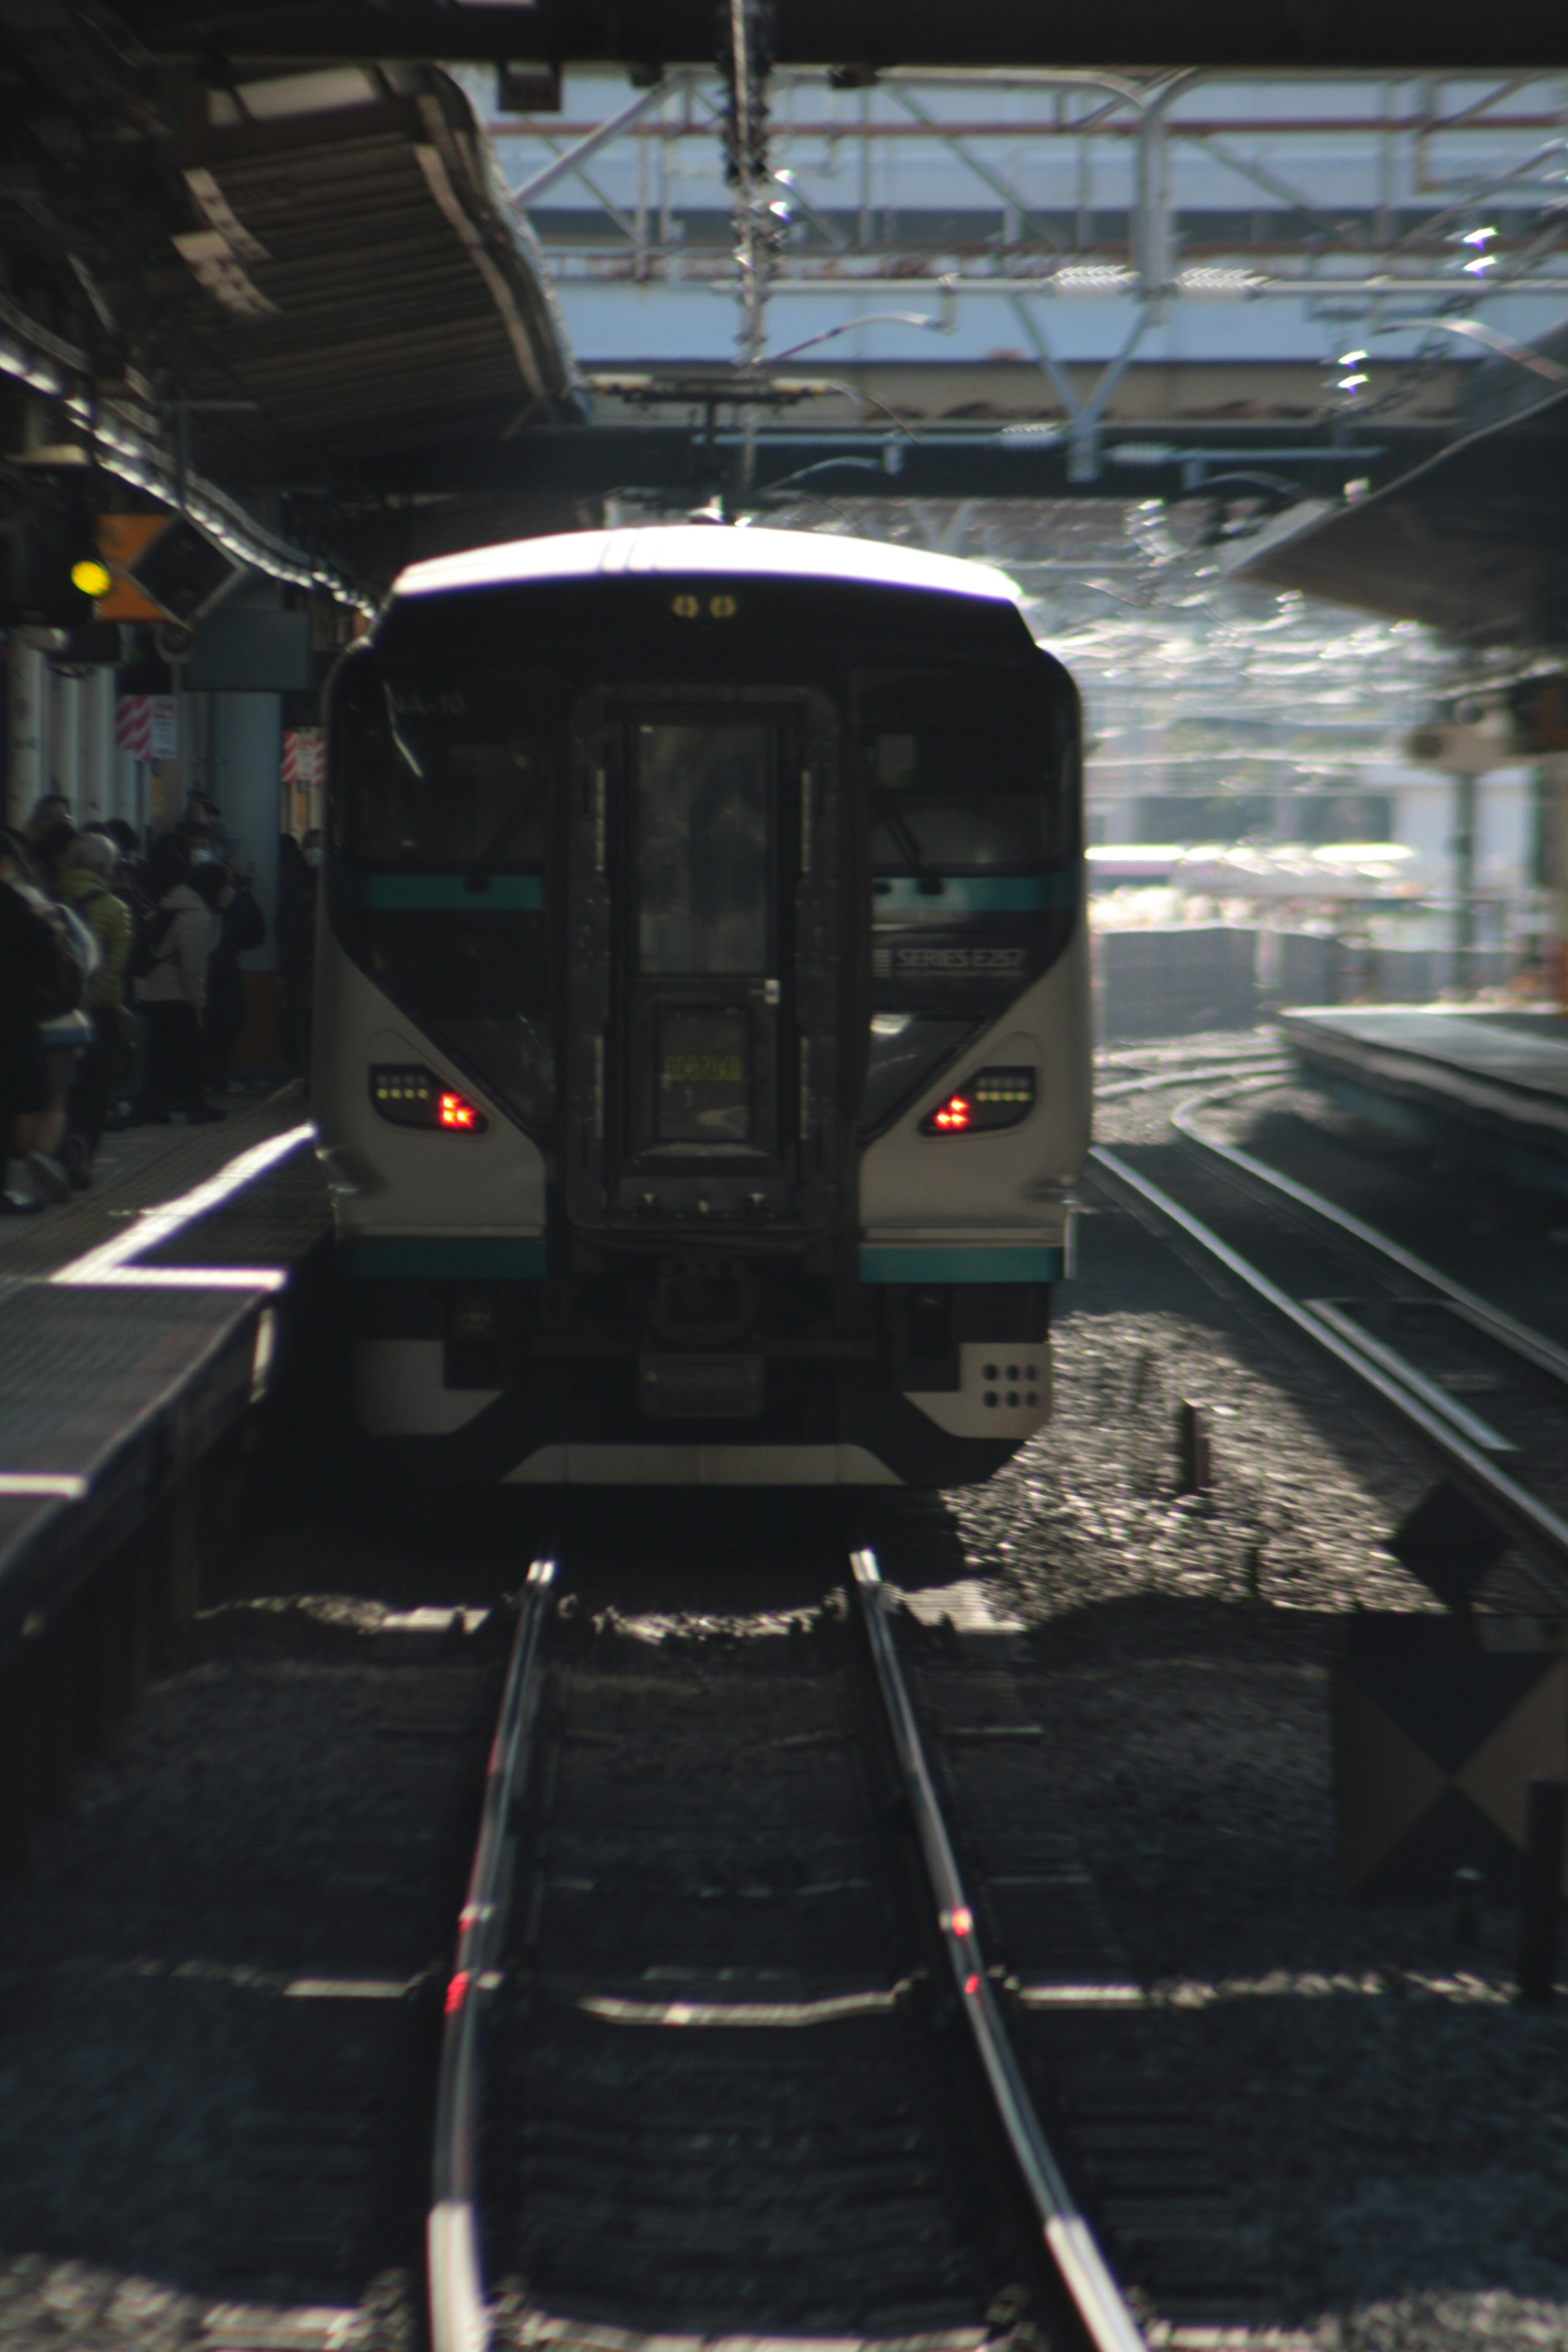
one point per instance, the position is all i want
(701, 1062)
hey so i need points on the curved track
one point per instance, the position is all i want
(1311, 1251)
(1532, 1347)
(686, 1849)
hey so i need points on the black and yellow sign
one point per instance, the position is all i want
(162, 568)
(1437, 1734)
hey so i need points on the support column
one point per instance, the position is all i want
(65, 740)
(27, 685)
(244, 744)
(100, 758)
(1152, 216)
(1462, 847)
(1551, 868)
(129, 793)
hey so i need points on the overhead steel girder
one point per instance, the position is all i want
(1448, 35)
(677, 461)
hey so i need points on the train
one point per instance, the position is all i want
(701, 1061)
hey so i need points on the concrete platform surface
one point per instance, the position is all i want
(135, 1324)
(1503, 1076)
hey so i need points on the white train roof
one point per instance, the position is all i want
(679, 551)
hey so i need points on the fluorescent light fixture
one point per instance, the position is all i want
(1479, 236)
(1349, 382)
(64, 1484)
(128, 463)
(1482, 261)
(1352, 359)
(15, 361)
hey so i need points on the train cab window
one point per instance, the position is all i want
(703, 828)
(965, 773)
(454, 772)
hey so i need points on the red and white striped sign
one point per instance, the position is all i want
(133, 725)
(302, 756)
(147, 726)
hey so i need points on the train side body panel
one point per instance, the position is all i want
(1019, 1182)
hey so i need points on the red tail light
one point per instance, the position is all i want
(413, 1096)
(988, 1099)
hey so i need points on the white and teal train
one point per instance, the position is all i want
(703, 1042)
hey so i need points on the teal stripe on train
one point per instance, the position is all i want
(504, 893)
(956, 1262)
(483, 1259)
(973, 894)
(901, 895)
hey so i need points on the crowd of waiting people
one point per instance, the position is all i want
(121, 995)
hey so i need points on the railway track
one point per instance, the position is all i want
(725, 2052)
(1482, 1387)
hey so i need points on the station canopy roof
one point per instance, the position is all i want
(339, 251)
(1469, 542)
(272, 276)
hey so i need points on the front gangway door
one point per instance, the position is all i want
(703, 990)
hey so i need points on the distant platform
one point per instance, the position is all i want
(136, 1324)
(1493, 1085)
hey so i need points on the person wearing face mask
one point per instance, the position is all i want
(221, 840)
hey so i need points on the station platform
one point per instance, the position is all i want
(137, 1322)
(1492, 1085)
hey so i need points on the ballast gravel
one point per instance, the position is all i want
(1386, 2114)
(1390, 2122)
(272, 1820)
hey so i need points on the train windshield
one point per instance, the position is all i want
(702, 823)
(965, 772)
(443, 772)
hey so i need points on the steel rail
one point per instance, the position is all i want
(1538, 1528)
(459, 2311)
(1518, 1337)
(1193, 1055)
(1098, 2300)
(1273, 1075)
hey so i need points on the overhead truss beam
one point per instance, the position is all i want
(1381, 36)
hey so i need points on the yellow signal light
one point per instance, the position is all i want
(93, 579)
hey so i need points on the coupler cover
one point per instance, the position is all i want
(701, 1388)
